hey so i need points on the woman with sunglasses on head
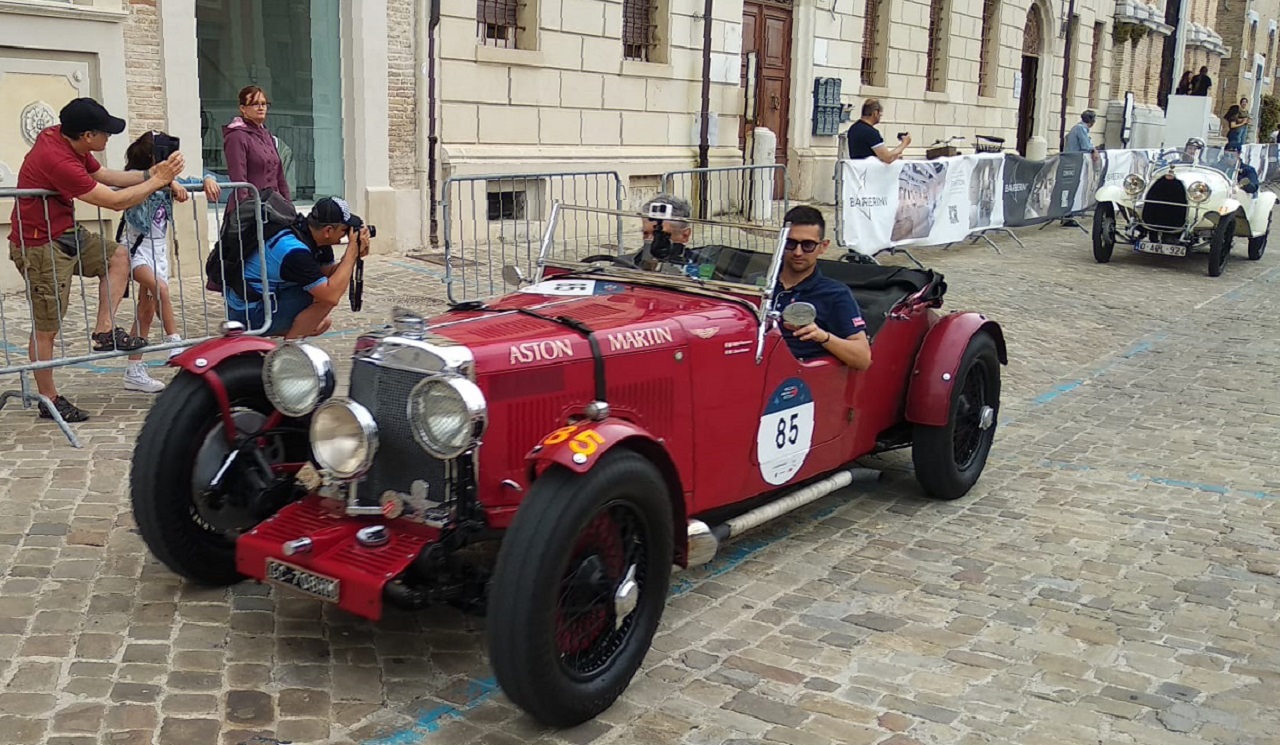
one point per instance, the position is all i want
(839, 329)
(250, 149)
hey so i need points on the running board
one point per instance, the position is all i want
(704, 541)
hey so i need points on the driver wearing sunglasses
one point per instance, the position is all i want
(839, 329)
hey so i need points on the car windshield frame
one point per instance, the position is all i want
(1223, 161)
(547, 257)
(719, 288)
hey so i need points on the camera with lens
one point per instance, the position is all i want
(163, 145)
(373, 230)
(661, 248)
(902, 136)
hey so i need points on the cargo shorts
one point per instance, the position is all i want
(48, 269)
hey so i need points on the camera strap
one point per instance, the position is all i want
(355, 291)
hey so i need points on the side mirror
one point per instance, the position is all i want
(512, 275)
(800, 314)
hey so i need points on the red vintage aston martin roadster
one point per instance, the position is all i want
(606, 420)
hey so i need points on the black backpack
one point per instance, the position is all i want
(238, 242)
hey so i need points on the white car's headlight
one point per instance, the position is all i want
(298, 378)
(1134, 184)
(1198, 192)
(447, 414)
(344, 437)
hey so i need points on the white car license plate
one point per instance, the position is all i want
(1164, 249)
(315, 585)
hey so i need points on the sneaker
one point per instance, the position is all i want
(137, 379)
(118, 339)
(176, 350)
(66, 410)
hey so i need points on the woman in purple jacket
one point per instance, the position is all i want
(250, 149)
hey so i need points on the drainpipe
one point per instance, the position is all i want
(1066, 77)
(704, 133)
(425, 59)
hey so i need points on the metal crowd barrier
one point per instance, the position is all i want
(735, 194)
(197, 310)
(493, 221)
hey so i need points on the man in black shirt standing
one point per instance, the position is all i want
(1201, 83)
(865, 140)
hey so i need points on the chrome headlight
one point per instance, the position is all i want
(344, 437)
(1198, 192)
(1134, 184)
(447, 414)
(298, 377)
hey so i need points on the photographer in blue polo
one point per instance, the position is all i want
(304, 283)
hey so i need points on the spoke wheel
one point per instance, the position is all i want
(1224, 235)
(949, 459)
(579, 587)
(1104, 232)
(1258, 246)
(189, 527)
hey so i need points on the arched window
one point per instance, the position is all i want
(989, 52)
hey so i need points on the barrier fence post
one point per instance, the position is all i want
(64, 332)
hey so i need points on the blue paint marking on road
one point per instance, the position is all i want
(1135, 477)
(1140, 347)
(1045, 398)
(419, 269)
(480, 691)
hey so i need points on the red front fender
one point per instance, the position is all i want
(202, 358)
(578, 447)
(938, 361)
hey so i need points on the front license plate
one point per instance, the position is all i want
(1164, 249)
(315, 585)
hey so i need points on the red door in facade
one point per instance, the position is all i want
(766, 31)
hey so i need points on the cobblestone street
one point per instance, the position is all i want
(1112, 578)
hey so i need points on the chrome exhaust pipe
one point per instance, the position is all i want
(704, 541)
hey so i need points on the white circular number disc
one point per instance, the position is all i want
(563, 287)
(786, 432)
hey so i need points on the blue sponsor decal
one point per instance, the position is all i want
(791, 393)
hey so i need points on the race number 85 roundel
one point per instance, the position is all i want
(786, 432)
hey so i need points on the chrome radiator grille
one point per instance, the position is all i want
(400, 460)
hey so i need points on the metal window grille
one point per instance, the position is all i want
(637, 30)
(987, 56)
(937, 66)
(870, 41)
(496, 23)
(1095, 63)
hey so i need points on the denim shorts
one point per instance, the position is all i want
(288, 303)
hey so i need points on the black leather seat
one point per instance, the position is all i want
(879, 288)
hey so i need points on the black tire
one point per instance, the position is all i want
(566, 523)
(1104, 232)
(1258, 246)
(1224, 235)
(949, 459)
(165, 506)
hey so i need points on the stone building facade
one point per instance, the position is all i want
(345, 103)
(1249, 70)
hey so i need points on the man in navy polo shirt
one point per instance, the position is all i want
(839, 329)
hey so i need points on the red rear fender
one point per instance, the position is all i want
(202, 358)
(938, 361)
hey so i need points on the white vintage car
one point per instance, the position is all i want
(1191, 200)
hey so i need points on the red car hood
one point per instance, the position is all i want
(624, 317)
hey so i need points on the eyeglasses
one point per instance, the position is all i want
(258, 105)
(806, 246)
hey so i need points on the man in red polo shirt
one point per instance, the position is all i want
(47, 245)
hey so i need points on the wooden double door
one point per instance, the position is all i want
(766, 32)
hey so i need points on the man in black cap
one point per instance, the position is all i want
(304, 283)
(48, 247)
